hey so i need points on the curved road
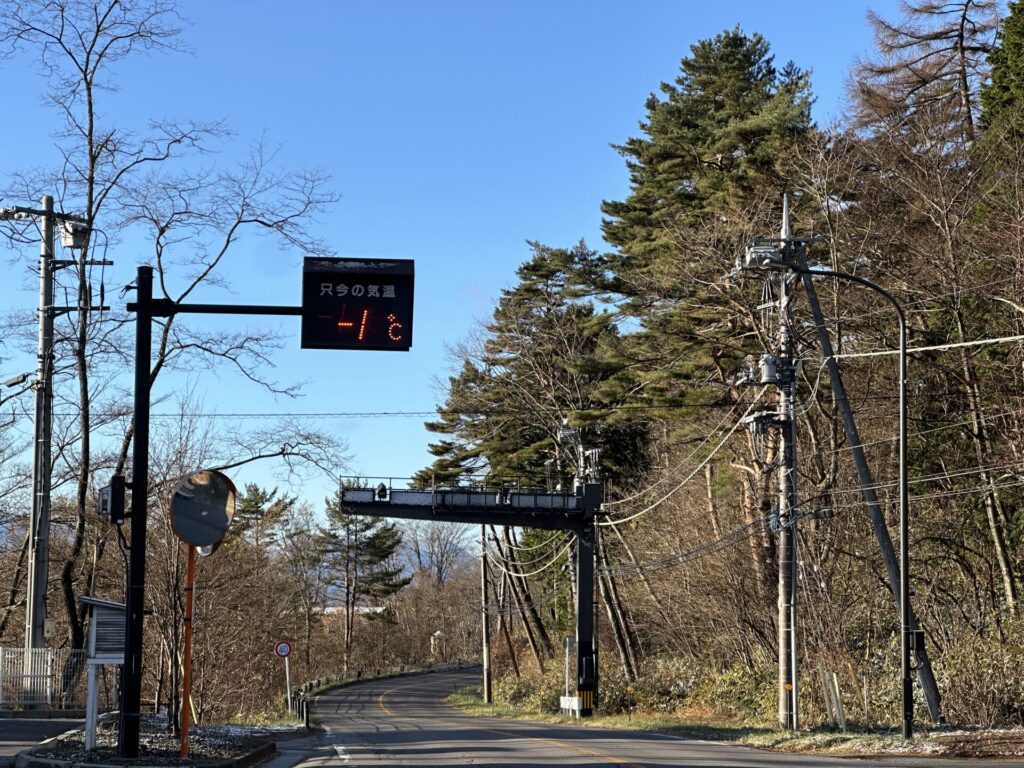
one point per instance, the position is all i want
(405, 722)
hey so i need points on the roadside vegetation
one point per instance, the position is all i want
(626, 361)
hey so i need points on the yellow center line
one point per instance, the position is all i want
(551, 742)
(567, 745)
(380, 702)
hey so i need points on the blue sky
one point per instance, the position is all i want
(453, 131)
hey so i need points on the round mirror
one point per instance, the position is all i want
(202, 506)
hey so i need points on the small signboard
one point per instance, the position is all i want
(570, 705)
(283, 649)
(357, 303)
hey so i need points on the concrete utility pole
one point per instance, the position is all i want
(789, 254)
(39, 515)
(787, 623)
(39, 519)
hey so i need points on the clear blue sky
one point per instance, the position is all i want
(454, 131)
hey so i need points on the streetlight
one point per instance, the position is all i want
(780, 254)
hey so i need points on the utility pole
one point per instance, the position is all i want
(787, 518)
(485, 651)
(788, 476)
(787, 623)
(789, 254)
(39, 517)
(780, 369)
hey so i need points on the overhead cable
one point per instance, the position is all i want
(693, 473)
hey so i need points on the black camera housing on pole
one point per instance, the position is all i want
(111, 501)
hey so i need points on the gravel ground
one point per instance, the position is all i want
(159, 746)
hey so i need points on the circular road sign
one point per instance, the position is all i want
(202, 506)
(283, 648)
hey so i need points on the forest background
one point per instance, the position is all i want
(635, 351)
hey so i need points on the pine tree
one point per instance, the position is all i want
(1002, 99)
(710, 141)
(259, 513)
(535, 372)
(706, 176)
(362, 569)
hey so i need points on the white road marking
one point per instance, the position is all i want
(342, 753)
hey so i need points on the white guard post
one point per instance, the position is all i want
(288, 683)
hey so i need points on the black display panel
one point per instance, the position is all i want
(357, 303)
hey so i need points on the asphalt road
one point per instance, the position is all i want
(405, 722)
(17, 734)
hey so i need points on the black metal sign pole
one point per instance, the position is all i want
(396, 333)
(586, 660)
(146, 308)
(131, 671)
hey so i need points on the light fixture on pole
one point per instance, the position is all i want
(788, 255)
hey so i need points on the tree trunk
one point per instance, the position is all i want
(994, 511)
(12, 594)
(524, 588)
(503, 625)
(624, 641)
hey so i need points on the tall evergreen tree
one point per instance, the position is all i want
(711, 140)
(534, 373)
(705, 177)
(259, 513)
(361, 557)
(1002, 99)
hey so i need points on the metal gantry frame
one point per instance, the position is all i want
(517, 508)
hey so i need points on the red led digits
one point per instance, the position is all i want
(393, 328)
(362, 325)
(344, 325)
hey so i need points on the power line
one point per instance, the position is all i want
(689, 477)
(557, 540)
(665, 477)
(933, 348)
(241, 415)
(543, 568)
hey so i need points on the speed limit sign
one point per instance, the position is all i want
(283, 648)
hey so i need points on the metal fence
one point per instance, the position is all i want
(48, 678)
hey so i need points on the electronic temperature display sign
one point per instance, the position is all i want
(357, 303)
